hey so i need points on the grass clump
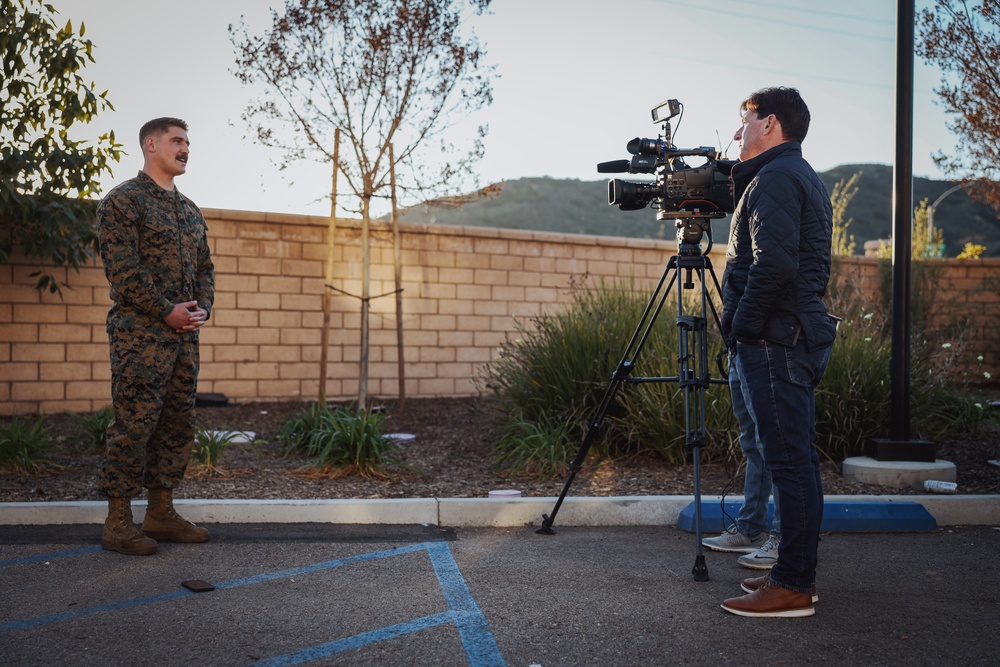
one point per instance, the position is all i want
(93, 428)
(341, 441)
(210, 448)
(25, 446)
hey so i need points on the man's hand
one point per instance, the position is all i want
(186, 316)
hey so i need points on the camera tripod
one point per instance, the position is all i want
(692, 355)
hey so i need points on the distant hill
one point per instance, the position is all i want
(580, 207)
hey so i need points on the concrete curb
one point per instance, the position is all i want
(947, 510)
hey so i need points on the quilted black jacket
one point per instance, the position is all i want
(778, 259)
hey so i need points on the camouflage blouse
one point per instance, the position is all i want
(154, 246)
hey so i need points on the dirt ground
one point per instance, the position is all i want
(450, 457)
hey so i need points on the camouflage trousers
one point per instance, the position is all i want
(153, 388)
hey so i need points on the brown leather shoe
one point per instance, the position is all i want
(162, 522)
(753, 583)
(771, 601)
(120, 532)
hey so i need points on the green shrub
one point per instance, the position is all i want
(550, 381)
(25, 446)
(854, 401)
(340, 441)
(94, 428)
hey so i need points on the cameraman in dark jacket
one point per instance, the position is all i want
(779, 332)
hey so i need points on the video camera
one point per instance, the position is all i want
(679, 191)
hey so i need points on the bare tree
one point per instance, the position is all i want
(385, 73)
(964, 41)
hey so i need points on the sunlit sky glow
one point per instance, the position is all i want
(577, 81)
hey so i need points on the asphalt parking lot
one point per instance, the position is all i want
(329, 594)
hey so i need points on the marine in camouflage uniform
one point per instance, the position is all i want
(156, 257)
(155, 252)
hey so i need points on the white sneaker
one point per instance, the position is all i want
(765, 557)
(735, 542)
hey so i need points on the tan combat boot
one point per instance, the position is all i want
(162, 522)
(120, 532)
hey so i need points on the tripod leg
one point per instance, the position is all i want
(622, 372)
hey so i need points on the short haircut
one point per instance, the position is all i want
(159, 126)
(787, 106)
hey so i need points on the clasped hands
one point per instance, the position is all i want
(186, 316)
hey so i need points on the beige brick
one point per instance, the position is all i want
(280, 285)
(436, 387)
(492, 308)
(282, 388)
(301, 337)
(438, 322)
(258, 301)
(237, 388)
(19, 333)
(307, 303)
(542, 294)
(217, 371)
(258, 336)
(284, 354)
(216, 335)
(472, 323)
(435, 354)
(262, 231)
(49, 313)
(507, 293)
(37, 391)
(236, 318)
(38, 352)
(294, 267)
(63, 333)
(21, 293)
(236, 353)
(257, 371)
(473, 355)
(94, 315)
(298, 371)
(259, 266)
(93, 391)
(457, 307)
(456, 244)
(490, 277)
(236, 248)
(490, 339)
(281, 249)
(19, 371)
(69, 371)
(524, 279)
(456, 276)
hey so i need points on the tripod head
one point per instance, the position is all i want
(690, 231)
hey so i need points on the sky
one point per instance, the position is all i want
(577, 80)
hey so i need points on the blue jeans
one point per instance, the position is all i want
(781, 385)
(752, 517)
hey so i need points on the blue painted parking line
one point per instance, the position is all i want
(477, 640)
(45, 557)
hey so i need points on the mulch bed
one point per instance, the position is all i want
(450, 457)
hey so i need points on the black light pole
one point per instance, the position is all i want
(899, 447)
(902, 223)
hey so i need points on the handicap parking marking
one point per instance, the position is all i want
(45, 557)
(480, 647)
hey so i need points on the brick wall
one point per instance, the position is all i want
(463, 288)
